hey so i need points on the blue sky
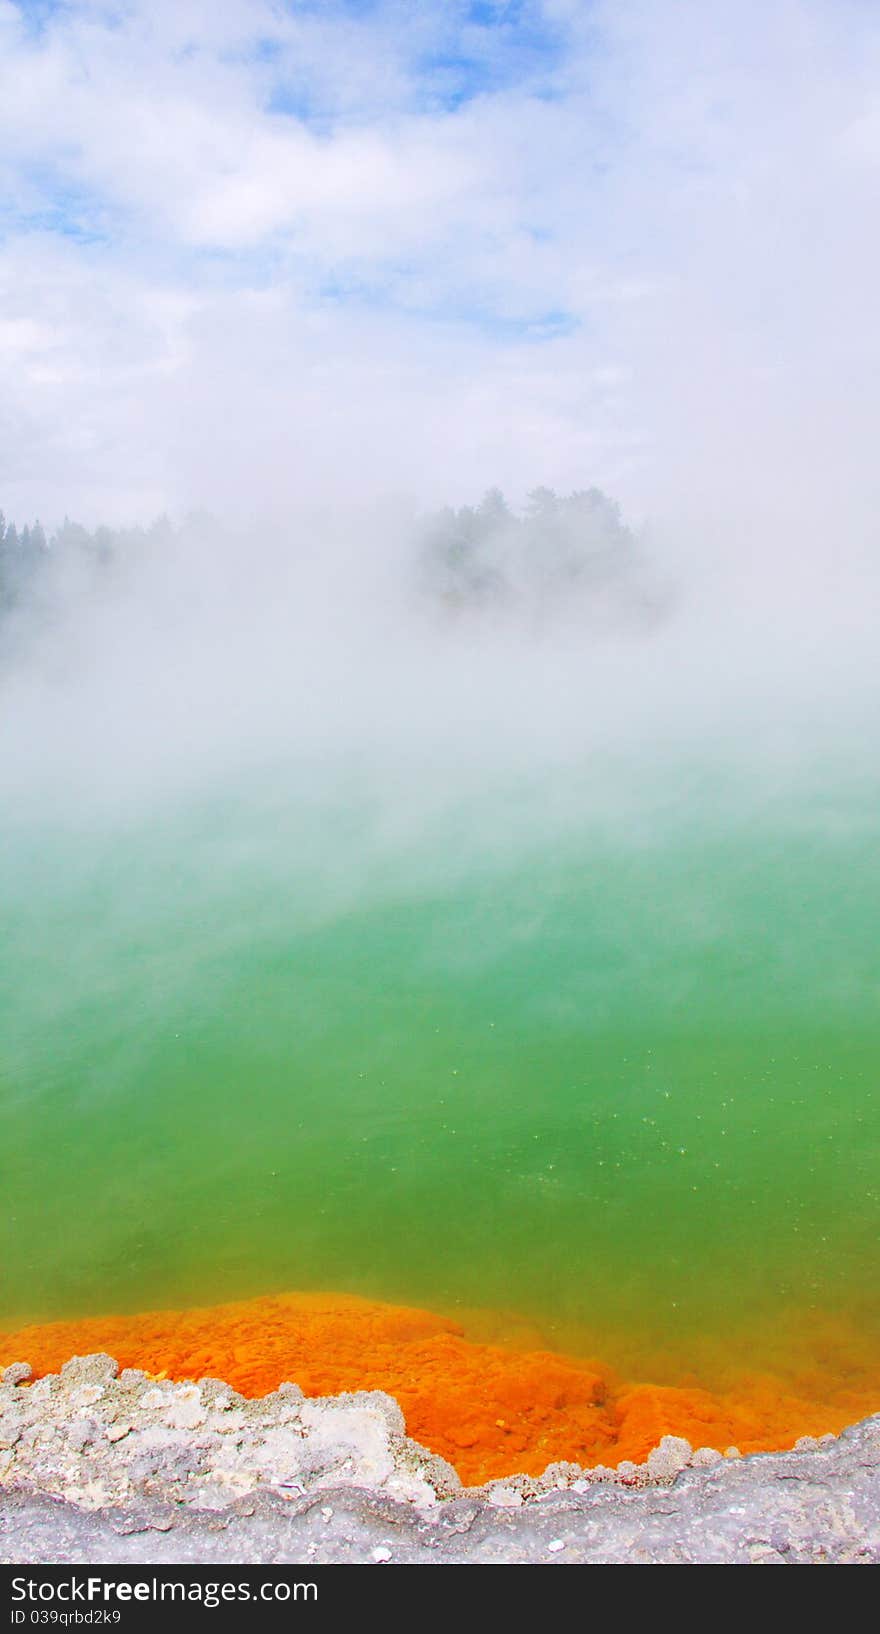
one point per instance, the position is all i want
(537, 241)
(441, 57)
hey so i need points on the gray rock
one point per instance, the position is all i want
(669, 1458)
(159, 1472)
(17, 1373)
(96, 1369)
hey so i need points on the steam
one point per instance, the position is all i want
(336, 649)
(636, 258)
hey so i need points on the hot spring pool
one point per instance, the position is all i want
(602, 1084)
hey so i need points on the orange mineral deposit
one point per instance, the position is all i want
(490, 1409)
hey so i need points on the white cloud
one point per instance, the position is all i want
(660, 277)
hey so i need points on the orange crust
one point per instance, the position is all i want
(490, 1409)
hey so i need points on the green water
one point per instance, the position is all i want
(609, 1063)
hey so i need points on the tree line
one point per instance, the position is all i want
(556, 547)
(572, 550)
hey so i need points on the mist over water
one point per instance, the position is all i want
(445, 958)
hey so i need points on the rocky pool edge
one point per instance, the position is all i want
(102, 1465)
